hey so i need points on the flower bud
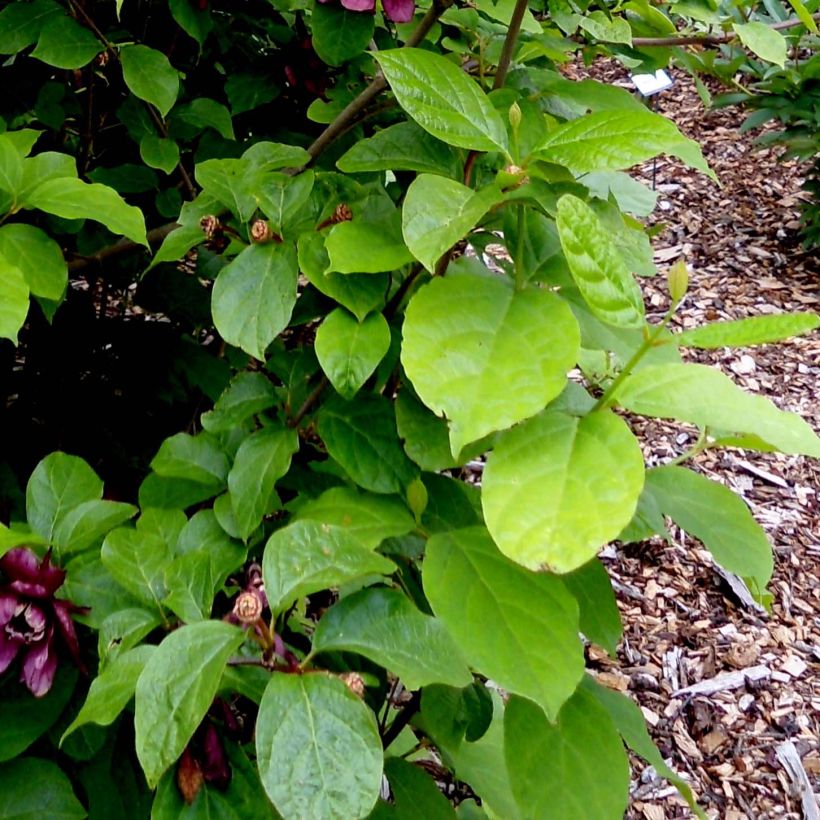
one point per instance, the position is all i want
(677, 280)
(515, 116)
(248, 607)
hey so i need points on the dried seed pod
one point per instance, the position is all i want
(354, 682)
(260, 231)
(211, 226)
(248, 607)
(342, 213)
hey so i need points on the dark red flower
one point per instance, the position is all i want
(204, 760)
(31, 618)
(399, 11)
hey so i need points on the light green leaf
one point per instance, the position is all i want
(600, 618)
(804, 15)
(573, 769)
(307, 557)
(254, 295)
(262, 459)
(166, 523)
(349, 351)
(704, 396)
(246, 395)
(231, 181)
(362, 246)
(489, 605)
(361, 435)
(137, 561)
(606, 29)
(369, 518)
(33, 789)
(718, 517)
(74, 199)
(38, 257)
(196, 458)
(150, 76)
(764, 41)
(177, 244)
(111, 690)
(317, 748)
(598, 269)
(122, 630)
(42, 168)
(401, 147)
(616, 140)
(755, 330)
(385, 627)
(270, 156)
(463, 337)
(64, 43)
(14, 293)
(438, 212)
(281, 197)
(159, 153)
(338, 34)
(557, 488)
(176, 689)
(442, 99)
(84, 524)
(11, 173)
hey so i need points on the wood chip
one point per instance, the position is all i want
(787, 756)
(726, 682)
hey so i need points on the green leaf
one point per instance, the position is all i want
(425, 436)
(544, 664)
(463, 337)
(254, 295)
(123, 630)
(631, 725)
(246, 395)
(111, 690)
(38, 257)
(11, 172)
(716, 516)
(195, 458)
(64, 43)
(361, 435)
(704, 396)
(246, 91)
(363, 246)
(195, 22)
(600, 618)
(415, 794)
(33, 789)
(369, 518)
(307, 557)
(572, 769)
(81, 526)
(158, 152)
(231, 181)
(262, 459)
(338, 34)
(763, 40)
(439, 212)
(204, 113)
(755, 330)
(59, 483)
(270, 156)
(20, 23)
(176, 244)
(616, 140)
(385, 627)
(442, 99)
(137, 561)
(349, 351)
(557, 488)
(150, 76)
(282, 198)
(74, 199)
(42, 168)
(167, 524)
(176, 689)
(88, 583)
(597, 267)
(317, 748)
(606, 29)
(401, 147)
(14, 294)
(804, 15)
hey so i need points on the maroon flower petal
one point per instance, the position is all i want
(51, 577)
(40, 666)
(8, 604)
(359, 5)
(28, 576)
(29, 589)
(399, 11)
(215, 766)
(20, 564)
(62, 613)
(9, 647)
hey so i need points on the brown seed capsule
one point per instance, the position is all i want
(248, 607)
(342, 214)
(189, 777)
(260, 231)
(354, 682)
(211, 226)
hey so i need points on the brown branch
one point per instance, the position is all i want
(309, 402)
(509, 43)
(118, 248)
(163, 132)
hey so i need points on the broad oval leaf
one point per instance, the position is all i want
(704, 396)
(195, 458)
(489, 605)
(338, 34)
(64, 43)
(14, 293)
(364, 246)
(84, 524)
(763, 40)
(158, 152)
(415, 794)
(597, 267)
(385, 627)
(254, 295)
(557, 488)
(754, 330)
(176, 689)
(32, 788)
(150, 76)
(38, 257)
(349, 351)
(307, 557)
(442, 99)
(573, 769)
(600, 619)
(246, 395)
(463, 337)
(317, 748)
(138, 562)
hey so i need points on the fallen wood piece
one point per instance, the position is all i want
(766, 476)
(787, 755)
(725, 681)
(740, 590)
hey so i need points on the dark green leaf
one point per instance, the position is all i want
(339, 34)
(33, 789)
(600, 619)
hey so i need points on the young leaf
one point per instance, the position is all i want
(572, 769)
(557, 488)
(755, 330)
(30, 787)
(600, 619)
(254, 295)
(385, 627)
(600, 273)
(176, 689)
(150, 76)
(442, 99)
(763, 40)
(545, 664)
(349, 351)
(38, 257)
(364, 246)
(307, 557)
(318, 748)
(438, 212)
(704, 396)
(463, 337)
(718, 517)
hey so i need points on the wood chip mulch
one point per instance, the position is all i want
(747, 749)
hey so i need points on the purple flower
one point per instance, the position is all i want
(31, 618)
(399, 11)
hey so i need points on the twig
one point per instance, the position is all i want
(402, 719)
(509, 43)
(123, 246)
(309, 402)
(725, 682)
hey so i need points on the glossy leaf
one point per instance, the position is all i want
(159, 152)
(38, 257)
(544, 664)
(282, 198)
(755, 330)
(150, 76)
